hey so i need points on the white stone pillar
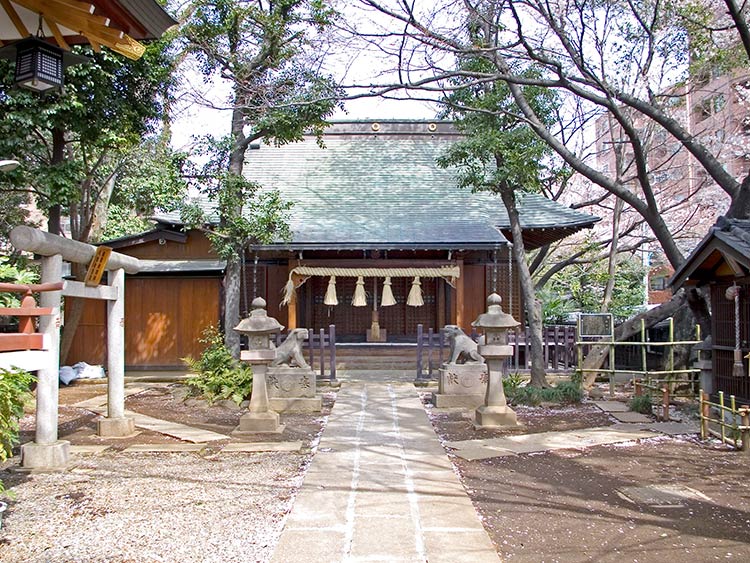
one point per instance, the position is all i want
(116, 347)
(116, 424)
(47, 452)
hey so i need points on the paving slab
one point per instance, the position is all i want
(174, 429)
(544, 441)
(90, 449)
(674, 428)
(631, 417)
(101, 400)
(381, 488)
(612, 406)
(664, 495)
(141, 448)
(262, 447)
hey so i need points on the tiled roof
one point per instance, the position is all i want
(384, 189)
(727, 238)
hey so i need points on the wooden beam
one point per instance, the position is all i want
(95, 46)
(14, 342)
(25, 311)
(76, 16)
(15, 18)
(64, 9)
(57, 34)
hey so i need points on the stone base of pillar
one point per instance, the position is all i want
(116, 427)
(494, 417)
(444, 401)
(296, 404)
(45, 457)
(258, 422)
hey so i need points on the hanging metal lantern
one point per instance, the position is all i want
(39, 65)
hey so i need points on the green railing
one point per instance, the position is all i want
(736, 431)
(648, 377)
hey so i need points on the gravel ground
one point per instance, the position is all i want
(144, 508)
(118, 507)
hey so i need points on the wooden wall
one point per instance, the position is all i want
(165, 317)
(196, 247)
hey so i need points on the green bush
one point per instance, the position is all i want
(15, 385)
(569, 392)
(218, 374)
(512, 382)
(642, 404)
(565, 392)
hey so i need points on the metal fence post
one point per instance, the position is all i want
(419, 351)
(429, 352)
(332, 350)
(322, 352)
(311, 347)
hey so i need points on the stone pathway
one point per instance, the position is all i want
(381, 488)
(630, 426)
(472, 450)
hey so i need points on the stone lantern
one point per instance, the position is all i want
(495, 411)
(258, 328)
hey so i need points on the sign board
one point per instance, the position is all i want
(97, 265)
(595, 325)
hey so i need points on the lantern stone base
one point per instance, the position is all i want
(115, 427)
(257, 422)
(461, 385)
(494, 417)
(45, 457)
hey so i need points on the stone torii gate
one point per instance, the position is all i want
(47, 451)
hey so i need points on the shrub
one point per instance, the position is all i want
(218, 374)
(642, 404)
(15, 387)
(565, 393)
(569, 392)
(512, 382)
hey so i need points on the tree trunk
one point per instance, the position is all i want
(610, 287)
(533, 308)
(232, 276)
(90, 228)
(232, 305)
(54, 225)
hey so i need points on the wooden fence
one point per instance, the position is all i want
(559, 343)
(26, 349)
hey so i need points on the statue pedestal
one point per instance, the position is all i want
(461, 385)
(258, 422)
(489, 417)
(292, 389)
